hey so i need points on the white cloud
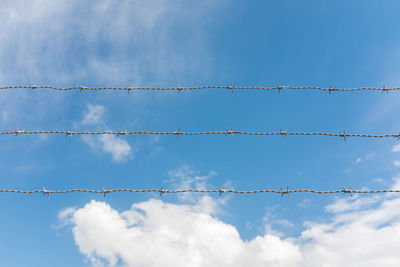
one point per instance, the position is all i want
(355, 203)
(305, 203)
(118, 147)
(44, 39)
(93, 115)
(154, 139)
(396, 148)
(154, 233)
(368, 156)
(372, 234)
(396, 163)
(377, 180)
(185, 177)
(98, 43)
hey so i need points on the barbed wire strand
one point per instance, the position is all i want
(164, 191)
(343, 134)
(227, 87)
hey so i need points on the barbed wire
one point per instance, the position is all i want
(179, 133)
(278, 88)
(221, 191)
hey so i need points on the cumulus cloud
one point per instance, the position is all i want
(396, 163)
(366, 232)
(118, 147)
(155, 233)
(367, 237)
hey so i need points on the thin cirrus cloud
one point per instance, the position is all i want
(396, 148)
(67, 43)
(127, 41)
(119, 148)
(94, 114)
(368, 156)
(155, 233)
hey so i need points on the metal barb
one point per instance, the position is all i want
(17, 132)
(283, 133)
(163, 191)
(82, 88)
(229, 132)
(123, 133)
(231, 87)
(179, 88)
(349, 191)
(222, 190)
(343, 135)
(285, 192)
(46, 192)
(177, 133)
(68, 133)
(107, 191)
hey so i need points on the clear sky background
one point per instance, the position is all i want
(193, 43)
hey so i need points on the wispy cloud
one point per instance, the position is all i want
(185, 177)
(121, 43)
(93, 115)
(368, 156)
(396, 148)
(119, 148)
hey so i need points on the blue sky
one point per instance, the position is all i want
(191, 43)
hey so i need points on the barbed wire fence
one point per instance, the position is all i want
(220, 191)
(178, 133)
(232, 88)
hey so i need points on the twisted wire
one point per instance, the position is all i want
(227, 87)
(178, 133)
(163, 191)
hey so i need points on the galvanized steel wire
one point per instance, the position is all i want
(179, 133)
(163, 191)
(227, 87)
